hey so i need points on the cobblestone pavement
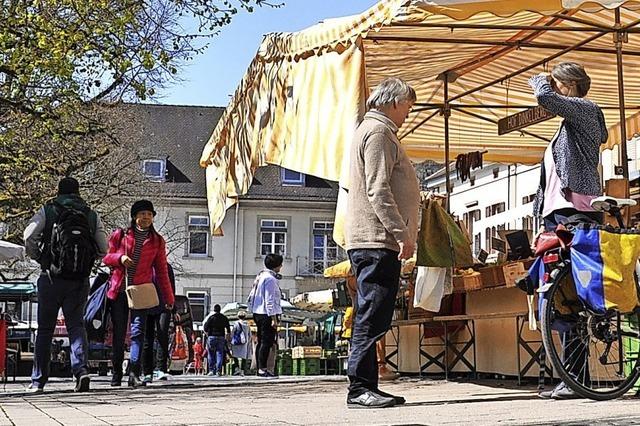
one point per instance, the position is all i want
(306, 401)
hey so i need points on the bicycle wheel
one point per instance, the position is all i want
(596, 355)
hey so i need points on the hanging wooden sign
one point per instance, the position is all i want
(523, 119)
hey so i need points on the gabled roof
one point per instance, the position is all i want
(267, 185)
(177, 134)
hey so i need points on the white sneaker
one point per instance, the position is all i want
(34, 389)
(161, 375)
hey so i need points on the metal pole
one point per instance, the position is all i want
(235, 253)
(619, 39)
(446, 111)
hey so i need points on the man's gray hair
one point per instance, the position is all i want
(391, 91)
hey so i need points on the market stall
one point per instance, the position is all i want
(469, 61)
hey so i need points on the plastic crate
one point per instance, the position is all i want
(306, 366)
(284, 367)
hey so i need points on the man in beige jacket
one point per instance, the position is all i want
(381, 230)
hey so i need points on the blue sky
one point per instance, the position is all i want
(213, 76)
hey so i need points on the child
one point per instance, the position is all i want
(198, 355)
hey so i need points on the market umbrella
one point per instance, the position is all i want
(10, 251)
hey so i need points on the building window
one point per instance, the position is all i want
(154, 169)
(487, 239)
(495, 209)
(199, 236)
(325, 250)
(496, 172)
(291, 178)
(528, 199)
(273, 237)
(477, 242)
(199, 301)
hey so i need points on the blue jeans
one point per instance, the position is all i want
(377, 272)
(138, 323)
(71, 296)
(215, 353)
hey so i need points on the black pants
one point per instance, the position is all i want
(266, 338)
(378, 274)
(71, 296)
(157, 327)
(119, 312)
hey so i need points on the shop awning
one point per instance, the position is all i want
(304, 92)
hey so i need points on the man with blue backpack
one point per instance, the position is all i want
(66, 238)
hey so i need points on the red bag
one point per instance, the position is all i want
(180, 350)
(546, 241)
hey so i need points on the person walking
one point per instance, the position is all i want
(135, 255)
(569, 178)
(240, 344)
(154, 362)
(218, 331)
(66, 238)
(264, 302)
(380, 230)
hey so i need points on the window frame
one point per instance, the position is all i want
(205, 302)
(291, 182)
(163, 169)
(327, 233)
(199, 229)
(273, 230)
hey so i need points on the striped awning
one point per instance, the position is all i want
(304, 93)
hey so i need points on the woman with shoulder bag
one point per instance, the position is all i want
(135, 254)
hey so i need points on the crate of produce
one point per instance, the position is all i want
(492, 276)
(467, 282)
(306, 352)
(513, 272)
(284, 353)
(306, 366)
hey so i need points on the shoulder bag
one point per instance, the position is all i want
(140, 296)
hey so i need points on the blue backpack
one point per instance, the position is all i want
(237, 336)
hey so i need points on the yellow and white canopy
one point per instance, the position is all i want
(304, 93)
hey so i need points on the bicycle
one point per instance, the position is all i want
(594, 353)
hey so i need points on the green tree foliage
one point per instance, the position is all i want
(63, 61)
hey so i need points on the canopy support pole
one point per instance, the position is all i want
(446, 112)
(620, 37)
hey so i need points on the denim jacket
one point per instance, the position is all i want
(576, 147)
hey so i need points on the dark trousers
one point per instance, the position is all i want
(157, 327)
(557, 217)
(266, 338)
(378, 274)
(71, 296)
(119, 312)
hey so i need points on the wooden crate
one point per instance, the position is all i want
(306, 352)
(466, 283)
(306, 366)
(513, 272)
(492, 276)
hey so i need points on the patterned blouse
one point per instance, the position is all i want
(576, 149)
